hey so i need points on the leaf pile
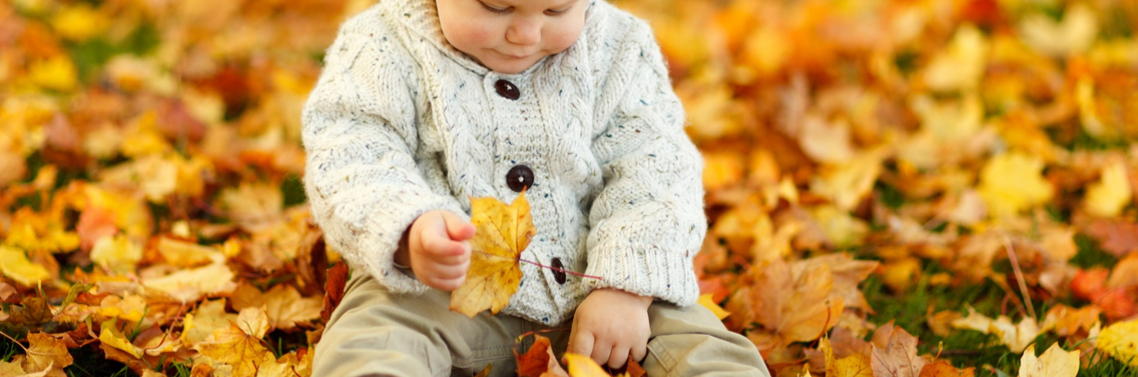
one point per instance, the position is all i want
(865, 161)
(936, 153)
(151, 211)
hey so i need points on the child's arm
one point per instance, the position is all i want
(360, 134)
(648, 221)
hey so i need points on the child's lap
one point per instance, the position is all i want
(375, 332)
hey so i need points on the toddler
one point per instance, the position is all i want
(424, 104)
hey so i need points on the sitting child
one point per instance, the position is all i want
(424, 104)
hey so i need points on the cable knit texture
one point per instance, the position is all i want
(402, 123)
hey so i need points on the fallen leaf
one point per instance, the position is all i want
(798, 306)
(1015, 336)
(856, 365)
(1107, 197)
(110, 336)
(1120, 341)
(942, 368)
(283, 305)
(706, 301)
(32, 311)
(898, 358)
(539, 360)
(1116, 237)
(1055, 362)
(117, 253)
(583, 366)
(189, 285)
(15, 265)
(45, 351)
(334, 289)
(501, 234)
(1067, 321)
(209, 317)
(1012, 182)
(239, 345)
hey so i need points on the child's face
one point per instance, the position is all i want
(509, 36)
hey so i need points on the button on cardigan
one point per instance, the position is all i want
(401, 123)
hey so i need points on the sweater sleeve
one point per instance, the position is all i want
(648, 221)
(359, 131)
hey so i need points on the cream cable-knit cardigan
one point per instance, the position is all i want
(402, 123)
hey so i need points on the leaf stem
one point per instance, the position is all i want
(574, 273)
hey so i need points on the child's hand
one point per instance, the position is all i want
(611, 325)
(438, 249)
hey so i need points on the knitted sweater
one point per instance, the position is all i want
(401, 123)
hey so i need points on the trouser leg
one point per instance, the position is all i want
(374, 332)
(691, 341)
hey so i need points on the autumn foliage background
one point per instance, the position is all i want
(895, 187)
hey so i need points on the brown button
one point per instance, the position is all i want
(519, 178)
(507, 89)
(559, 272)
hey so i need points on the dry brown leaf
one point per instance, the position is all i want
(501, 234)
(898, 357)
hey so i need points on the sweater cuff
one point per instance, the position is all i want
(645, 269)
(387, 227)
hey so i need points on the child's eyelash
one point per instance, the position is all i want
(555, 13)
(495, 10)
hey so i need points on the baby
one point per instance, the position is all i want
(424, 104)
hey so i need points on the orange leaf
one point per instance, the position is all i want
(539, 361)
(942, 368)
(334, 289)
(502, 233)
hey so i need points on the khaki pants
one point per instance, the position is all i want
(374, 333)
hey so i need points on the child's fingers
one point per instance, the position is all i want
(445, 284)
(457, 228)
(639, 351)
(580, 342)
(618, 356)
(601, 351)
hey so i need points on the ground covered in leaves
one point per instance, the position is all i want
(896, 187)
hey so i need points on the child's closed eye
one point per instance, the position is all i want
(505, 10)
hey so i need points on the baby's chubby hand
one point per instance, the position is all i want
(611, 325)
(438, 249)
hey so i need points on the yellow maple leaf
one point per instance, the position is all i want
(1012, 182)
(117, 253)
(130, 307)
(1120, 341)
(110, 336)
(188, 254)
(501, 234)
(856, 365)
(1107, 197)
(583, 366)
(708, 303)
(79, 22)
(1074, 34)
(239, 345)
(16, 265)
(192, 284)
(283, 304)
(46, 351)
(1055, 362)
(1015, 336)
(943, 368)
(203, 322)
(962, 64)
(56, 73)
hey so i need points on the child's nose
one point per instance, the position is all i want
(524, 33)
